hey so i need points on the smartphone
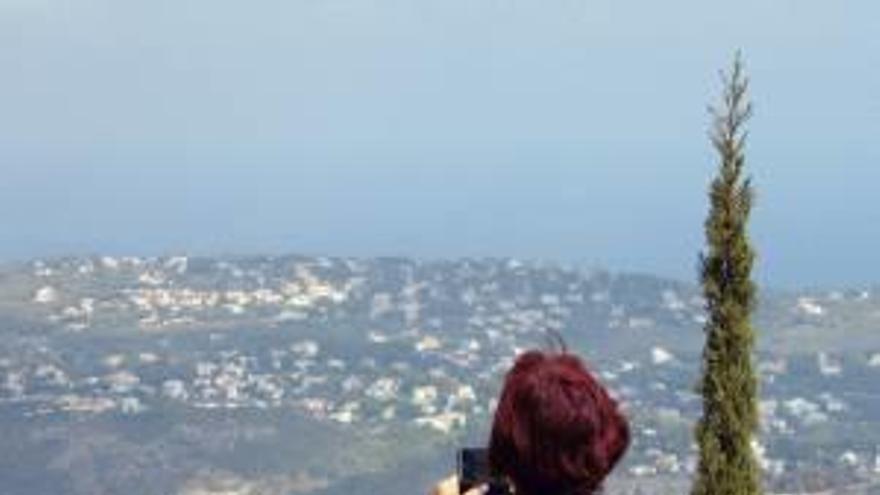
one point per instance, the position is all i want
(473, 470)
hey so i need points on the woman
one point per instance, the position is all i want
(556, 429)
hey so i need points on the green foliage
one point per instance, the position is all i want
(727, 464)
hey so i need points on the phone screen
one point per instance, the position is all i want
(473, 468)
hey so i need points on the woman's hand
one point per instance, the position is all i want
(449, 486)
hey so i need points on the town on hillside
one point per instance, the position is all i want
(406, 349)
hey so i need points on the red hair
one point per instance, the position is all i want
(556, 429)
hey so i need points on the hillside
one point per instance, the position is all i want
(326, 376)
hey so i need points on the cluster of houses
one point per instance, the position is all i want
(428, 355)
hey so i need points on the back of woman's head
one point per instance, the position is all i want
(556, 430)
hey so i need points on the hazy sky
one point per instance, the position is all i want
(562, 130)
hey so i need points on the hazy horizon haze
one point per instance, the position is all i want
(570, 131)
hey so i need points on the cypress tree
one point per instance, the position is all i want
(727, 464)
